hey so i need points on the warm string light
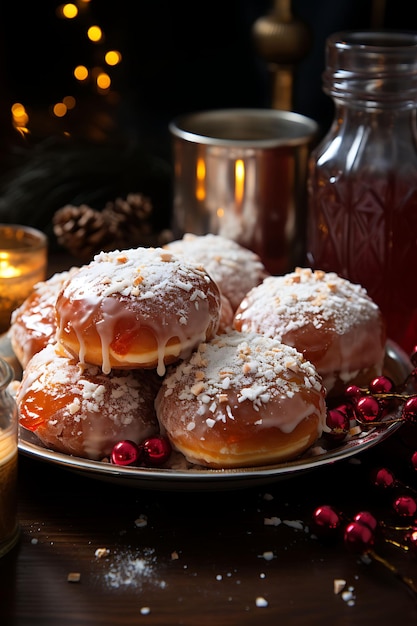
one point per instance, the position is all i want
(98, 77)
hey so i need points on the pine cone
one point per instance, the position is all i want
(132, 219)
(83, 231)
(124, 223)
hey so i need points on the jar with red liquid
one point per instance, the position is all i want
(362, 179)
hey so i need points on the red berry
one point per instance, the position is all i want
(126, 452)
(414, 460)
(383, 477)
(326, 520)
(406, 506)
(381, 384)
(156, 451)
(409, 410)
(353, 393)
(338, 421)
(364, 517)
(358, 537)
(368, 408)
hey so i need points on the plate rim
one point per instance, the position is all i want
(194, 478)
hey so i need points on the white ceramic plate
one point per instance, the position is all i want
(397, 366)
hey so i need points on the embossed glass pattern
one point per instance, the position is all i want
(362, 181)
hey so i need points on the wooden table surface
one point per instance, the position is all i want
(197, 558)
(237, 556)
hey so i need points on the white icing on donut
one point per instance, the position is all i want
(33, 324)
(231, 389)
(123, 291)
(332, 321)
(79, 410)
(234, 268)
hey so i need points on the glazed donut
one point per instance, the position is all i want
(234, 268)
(141, 307)
(331, 321)
(33, 324)
(78, 410)
(241, 400)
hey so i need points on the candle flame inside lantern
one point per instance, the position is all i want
(239, 181)
(7, 270)
(200, 191)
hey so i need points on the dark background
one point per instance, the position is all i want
(178, 57)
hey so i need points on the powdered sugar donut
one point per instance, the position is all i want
(331, 321)
(241, 400)
(33, 324)
(78, 410)
(141, 307)
(234, 268)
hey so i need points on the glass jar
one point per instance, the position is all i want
(9, 527)
(362, 178)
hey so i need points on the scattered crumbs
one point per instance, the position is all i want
(296, 524)
(349, 596)
(365, 558)
(261, 602)
(174, 556)
(268, 497)
(338, 585)
(268, 555)
(141, 521)
(145, 610)
(262, 575)
(272, 521)
(101, 552)
(74, 577)
(219, 577)
(34, 541)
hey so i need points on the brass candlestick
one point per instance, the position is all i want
(283, 41)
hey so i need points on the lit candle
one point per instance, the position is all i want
(239, 182)
(23, 260)
(6, 269)
(200, 191)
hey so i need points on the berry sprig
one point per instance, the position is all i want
(360, 534)
(380, 404)
(152, 452)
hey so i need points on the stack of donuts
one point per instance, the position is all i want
(196, 342)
